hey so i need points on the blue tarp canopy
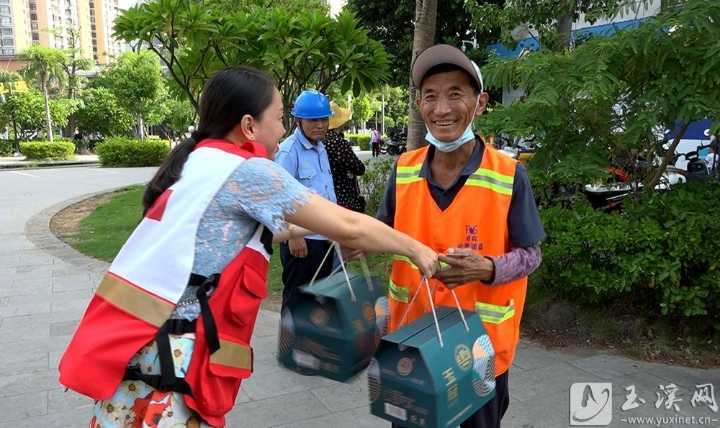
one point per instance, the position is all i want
(532, 44)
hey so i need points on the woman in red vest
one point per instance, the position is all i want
(165, 339)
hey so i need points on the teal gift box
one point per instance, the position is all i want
(331, 331)
(415, 381)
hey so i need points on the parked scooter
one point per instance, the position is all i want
(396, 144)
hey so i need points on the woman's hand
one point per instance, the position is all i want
(426, 259)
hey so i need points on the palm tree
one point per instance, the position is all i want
(423, 37)
(44, 64)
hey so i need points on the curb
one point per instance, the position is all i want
(56, 164)
(37, 231)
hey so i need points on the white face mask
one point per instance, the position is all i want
(450, 146)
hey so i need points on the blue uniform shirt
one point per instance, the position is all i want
(309, 164)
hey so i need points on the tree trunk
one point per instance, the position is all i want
(564, 28)
(141, 128)
(423, 37)
(650, 185)
(48, 119)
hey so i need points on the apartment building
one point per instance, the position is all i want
(62, 24)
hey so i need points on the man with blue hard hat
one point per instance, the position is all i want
(303, 155)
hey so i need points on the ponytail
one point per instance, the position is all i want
(226, 98)
(170, 170)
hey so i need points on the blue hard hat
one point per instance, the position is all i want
(311, 104)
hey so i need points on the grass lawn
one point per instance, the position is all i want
(102, 233)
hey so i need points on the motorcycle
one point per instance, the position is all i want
(396, 144)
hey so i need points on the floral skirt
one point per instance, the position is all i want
(137, 405)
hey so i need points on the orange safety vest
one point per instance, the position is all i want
(476, 219)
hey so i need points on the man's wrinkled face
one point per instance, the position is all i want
(447, 103)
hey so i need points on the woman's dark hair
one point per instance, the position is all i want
(228, 96)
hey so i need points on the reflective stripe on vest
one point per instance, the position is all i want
(492, 180)
(408, 174)
(399, 293)
(495, 314)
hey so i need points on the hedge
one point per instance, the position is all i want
(44, 150)
(361, 140)
(120, 151)
(6, 147)
(660, 256)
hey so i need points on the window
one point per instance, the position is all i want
(34, 26)
(35, 37)
(8, 51)
(5, 2)
(8, 41)
(6, 31)
(33, 17)
(5, 10)
(5, 20)
(33, 6)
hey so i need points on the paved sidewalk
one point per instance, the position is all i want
(46, 286)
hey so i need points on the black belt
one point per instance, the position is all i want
(166, 380)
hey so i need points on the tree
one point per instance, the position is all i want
(101, 112)
(26, 109)
(138, 85)
(423, 38)
(300, 49)
(610, 99)
(73, 63)
(179, 117)
(44, 64)
(389, 22)
(550, 20)
(8, 80)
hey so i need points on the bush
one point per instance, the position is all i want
(360, 140)
(43, 150)
(6, 147)
(374, 181)
(120, 151)
(659, 257)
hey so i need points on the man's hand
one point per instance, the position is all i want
(298, 247)
(464, 269)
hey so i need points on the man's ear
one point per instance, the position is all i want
(483, 100)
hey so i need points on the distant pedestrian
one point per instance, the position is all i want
(375, 142)
(344, 163)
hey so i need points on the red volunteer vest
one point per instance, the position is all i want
(123, 316)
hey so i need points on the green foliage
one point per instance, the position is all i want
(360, 140)
(181, 115)
(373, 182)
(44, 150)
(299, 47)
(611, 98)
(45, 66)
(392, 23)
(6, 147)
(28, 111)
(138, 85)
(364, 108)
(101, 112)
(543, 17)
(120, 151)
(659, 256)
